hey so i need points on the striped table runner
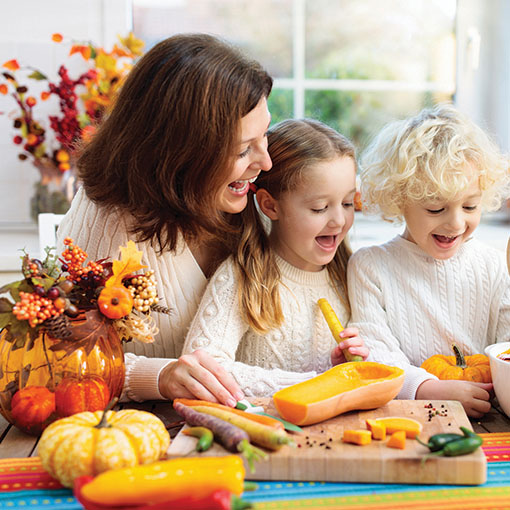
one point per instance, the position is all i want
(24, 484)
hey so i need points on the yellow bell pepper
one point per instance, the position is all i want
(167, 479)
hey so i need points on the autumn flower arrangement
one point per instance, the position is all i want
(55, 290)
(82, 101)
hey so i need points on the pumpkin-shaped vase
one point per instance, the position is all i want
(53, 376)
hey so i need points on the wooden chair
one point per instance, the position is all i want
(48, 224)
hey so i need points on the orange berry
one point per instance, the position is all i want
(31, 101)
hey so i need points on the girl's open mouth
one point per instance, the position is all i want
(326, 242)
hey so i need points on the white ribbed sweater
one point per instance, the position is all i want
(409, 306)
(181, 284)
(263, 364)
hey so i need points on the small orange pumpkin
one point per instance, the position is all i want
(115, 302)
(31, 407)
(74, 395)
(465, 368)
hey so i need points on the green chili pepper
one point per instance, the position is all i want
(204, 435)
(461, 446)
(439, 441)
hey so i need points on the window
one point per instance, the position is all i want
(354, 65)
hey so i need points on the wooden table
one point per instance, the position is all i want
(14, 443)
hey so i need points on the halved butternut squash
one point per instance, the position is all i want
(345, 387)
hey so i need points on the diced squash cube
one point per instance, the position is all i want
(377, 429)
(397, 440)
(359, 437)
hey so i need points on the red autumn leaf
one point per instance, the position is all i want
(12, 65)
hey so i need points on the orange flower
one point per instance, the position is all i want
(80, 48)
(56, 37)
(12, 65)
(45, 95)
(3, 88)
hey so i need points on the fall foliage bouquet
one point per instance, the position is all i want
(57, 289)
(50, 143)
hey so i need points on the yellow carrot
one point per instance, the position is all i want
(335, 326)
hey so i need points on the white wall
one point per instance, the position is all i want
(25, 34)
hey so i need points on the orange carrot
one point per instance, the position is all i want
(264, 420)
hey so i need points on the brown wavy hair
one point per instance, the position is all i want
(294, 147)
(169, 142)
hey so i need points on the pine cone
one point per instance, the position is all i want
(58, 327)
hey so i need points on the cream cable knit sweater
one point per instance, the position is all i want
(181, 284)
(263, 364)
(409, 306)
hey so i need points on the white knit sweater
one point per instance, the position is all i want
(181, 284)
(409, 306)
(263, 364)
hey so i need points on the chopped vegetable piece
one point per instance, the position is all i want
(411, 427)
(397, 440)
(377, 429)
(359, 437)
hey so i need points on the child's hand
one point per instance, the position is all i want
(353, 343)
(473, 396)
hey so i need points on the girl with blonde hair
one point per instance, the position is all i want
(435, 285)
(259, 316)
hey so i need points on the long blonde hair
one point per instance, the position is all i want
(294, 146)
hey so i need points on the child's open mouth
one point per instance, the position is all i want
(445, 241)
(326, 242)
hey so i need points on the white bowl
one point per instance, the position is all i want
(500, 371)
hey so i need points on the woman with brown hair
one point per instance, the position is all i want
(170, 168)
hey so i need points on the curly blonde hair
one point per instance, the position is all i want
(426, 158)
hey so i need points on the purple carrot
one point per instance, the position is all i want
(232, 438)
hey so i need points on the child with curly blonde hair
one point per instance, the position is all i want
(435, 285)
(259, 316)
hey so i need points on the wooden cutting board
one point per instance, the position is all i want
(320, 454)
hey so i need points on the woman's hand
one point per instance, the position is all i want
(198, 375)
(353, 343)
(473, 396)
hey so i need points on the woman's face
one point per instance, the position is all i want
(251, 158)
